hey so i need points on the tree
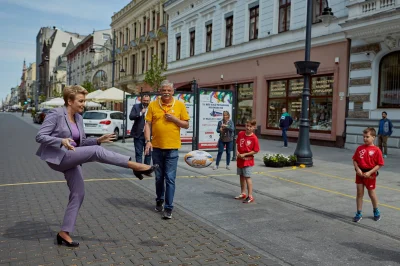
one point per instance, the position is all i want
(57, 94)
(88, 86)
(154, 76)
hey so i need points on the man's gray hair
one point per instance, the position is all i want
(167, 83)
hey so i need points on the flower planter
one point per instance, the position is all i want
(279, 160)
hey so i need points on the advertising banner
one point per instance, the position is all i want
(212, 104)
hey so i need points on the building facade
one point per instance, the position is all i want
(50, 44)
(102, 67)
(82, 57)
(374, 30)
(31, 82)
(140, 33)
(22, 86)
(254, 44)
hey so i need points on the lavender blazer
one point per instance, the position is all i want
(56, 126)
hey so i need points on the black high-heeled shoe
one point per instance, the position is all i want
(139, 174)
(61, 240)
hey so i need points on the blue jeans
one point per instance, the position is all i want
(284, 135)
(165, 174)
(221, 146)
(139, 150)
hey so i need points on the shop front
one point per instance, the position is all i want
(269, 83)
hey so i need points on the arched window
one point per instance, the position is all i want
(389, 81)
(100, 79)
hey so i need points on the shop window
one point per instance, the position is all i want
(244, 103)
(284, 15)
(389, 81)
(253, 23)
(229, 31)
(288, 94)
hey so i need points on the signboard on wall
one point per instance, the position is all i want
(186, 98)
(212, 104)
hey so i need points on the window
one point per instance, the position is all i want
(253, 23)
(162, 53)
(245, 103)
(284, 15)
(64, 44)
(389, 81)
(151, 51)
(318, 8)
(165, 18)
(126, 36)
(144, 25)
(229, 31)
(106, 36)
(143, 61)
(192, 42)
(134, 31)
(126, 64)
(209, 37)
(287, 94)
(178, 47)
(153, 20)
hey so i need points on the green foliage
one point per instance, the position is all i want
(42, 98)
(88, 86)
(154, 76)
(57, 94)
(279, 160)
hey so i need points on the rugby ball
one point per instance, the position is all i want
(198, 159)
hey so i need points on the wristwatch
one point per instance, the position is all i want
(147, 141)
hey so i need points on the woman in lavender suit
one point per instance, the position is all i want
(65, 148)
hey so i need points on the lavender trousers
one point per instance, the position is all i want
(71, 167)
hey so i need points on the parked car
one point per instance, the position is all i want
(40, 115)
(100, 122)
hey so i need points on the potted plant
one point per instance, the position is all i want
(279, 160)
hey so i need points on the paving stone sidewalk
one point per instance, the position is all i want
(117, 224)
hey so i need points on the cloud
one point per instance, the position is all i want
(86, 10)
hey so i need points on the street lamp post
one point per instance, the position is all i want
(307, 68)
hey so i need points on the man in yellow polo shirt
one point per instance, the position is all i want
(165, 118)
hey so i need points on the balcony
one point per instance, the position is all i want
(125, 79)
(360, 9)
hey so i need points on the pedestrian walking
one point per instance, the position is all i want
(247, 147)
(226, 130)
(137, 115)
(384, 132)
(64, 146)
(284, 123)
(367, 160)
(164, 119)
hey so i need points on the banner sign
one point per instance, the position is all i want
(212, 104)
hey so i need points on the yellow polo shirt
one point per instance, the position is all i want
(165, 134)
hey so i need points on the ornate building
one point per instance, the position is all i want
(374, 85)
(140, 33)
(31, 82)
(81, 57)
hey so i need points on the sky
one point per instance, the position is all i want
(20, 21)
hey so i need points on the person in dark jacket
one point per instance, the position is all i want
(137, 115)
(384, 132)
(284, 123)
(226, 130)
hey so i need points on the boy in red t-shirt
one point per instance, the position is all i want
(247, 145)
(367, 161)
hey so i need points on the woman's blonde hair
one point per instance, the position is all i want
(70, 92)
(226, 113)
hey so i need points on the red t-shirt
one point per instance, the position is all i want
(367, 157)
(246, 144)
